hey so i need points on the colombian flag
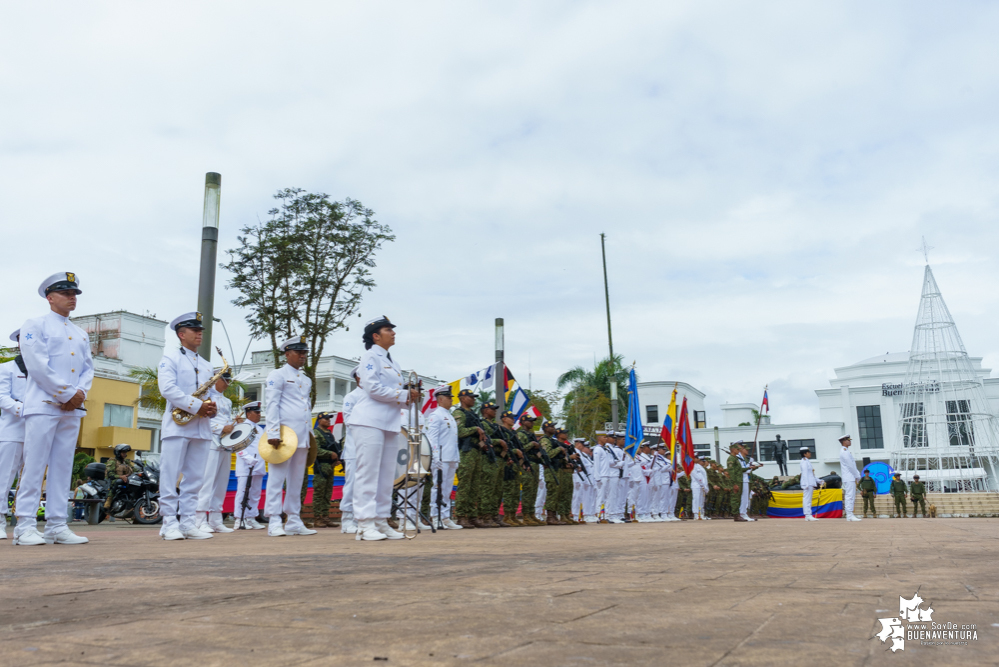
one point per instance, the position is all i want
(667, 433)
(826, 504)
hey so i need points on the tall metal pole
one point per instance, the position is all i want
(610, 338)
(209, 251)
(500, 368)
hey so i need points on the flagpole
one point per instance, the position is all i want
(610, 339)
(759, 418)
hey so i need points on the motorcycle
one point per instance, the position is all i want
(139, 498)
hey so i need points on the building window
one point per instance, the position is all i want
(118, 415)
(700, 419)
(794, 448)
(959, 424)
(703, 451)
(651, 414)
(340, 388)
(913, 425)
(251, 395)
(869, 421)
(767, 450)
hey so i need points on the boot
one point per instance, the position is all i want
(529, 520)
(517, 520)
(479, 522)
(464, 522)
(567, 520)
(552, 521)
(307, 524)
(330, 523)
(495, 518)
(510, 521)
(739, 517)
(319, 523)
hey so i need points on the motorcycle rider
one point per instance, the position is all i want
(118, 470)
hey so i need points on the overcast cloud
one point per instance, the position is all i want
(763, 171)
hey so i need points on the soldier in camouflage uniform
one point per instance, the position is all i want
(471, 448)
(529, 481)
(685, 498)
(564, 508)
(897, 490)
(553, 481)
(512, 472)
(868, 491)
(493, 465)
(322, 472)
(917, 491)
(718, 490)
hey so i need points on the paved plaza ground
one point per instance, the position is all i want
(706, 593)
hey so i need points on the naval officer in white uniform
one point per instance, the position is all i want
(848, 472)
(288, 399)
(808, 483)
(56, 355)
(13, 382)
(184, 447)
(349, 458)
(376, 427)
(218, 462)
(442, 432)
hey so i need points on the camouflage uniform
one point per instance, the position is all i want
(511, 477)
(491, 484)
(735, 471)
(917, 490)
(553, 480)
(868, 491)
(897, 490)
(685, 499)
(529, 482)
(322, 473)
(115, 470)
(466, 503)
(791, 481)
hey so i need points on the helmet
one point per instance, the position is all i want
(121, 450)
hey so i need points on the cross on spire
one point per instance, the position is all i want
(925, 250)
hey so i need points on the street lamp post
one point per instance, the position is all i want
(209, 251)
(500, 369)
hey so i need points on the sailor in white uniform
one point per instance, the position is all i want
(288, 403)
(699, 486)
(617, 482)
(601, 472)
(347, 522)
(588, 482)
(808, 483)
(13, 382)
(56, 355)
(218, 462)
(848, 472)
(442, 432)
(250, 469)
(184, 447)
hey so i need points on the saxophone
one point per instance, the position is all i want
(183, 417)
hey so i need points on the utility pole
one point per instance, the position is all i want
(500, 369)
(610, 338)
(209, 251)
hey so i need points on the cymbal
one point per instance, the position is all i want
(313, 450)
(282, 452)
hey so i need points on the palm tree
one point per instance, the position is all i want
(151, 398)
(587, 405)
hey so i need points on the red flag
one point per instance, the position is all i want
(684, 439)
(766, 401)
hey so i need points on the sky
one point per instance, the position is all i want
(764, 172)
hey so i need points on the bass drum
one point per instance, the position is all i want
(421, 467)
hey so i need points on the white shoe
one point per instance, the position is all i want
(381, 525)
(197, 534)
(707, 518)
(220, 528)
(29, 538)
(299, 530)
(255, 525)
(366, 531)
(348, 527)
(615, 520)
(451, 525)
(3, 528)
(810, 518)
(65, 536)
(275, 529)
(171, 532)
(204, 527)
(853, 518)
(422, 526)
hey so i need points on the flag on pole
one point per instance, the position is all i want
(684, 440)
(669, 430)
(766, 402)
(634, 433)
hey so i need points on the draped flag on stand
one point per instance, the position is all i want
(684, 439)
(635, 433)
(516, 399)
(667, 433)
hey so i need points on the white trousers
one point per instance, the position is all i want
(744, 501)
(612, 503)
(539, 500)
(643, 500)
(181, 456)
(289, 475)
(49, 442)
(376, 452)
(672, 493)
(216, 480)
(806, 499)
(630, 493)
(697, 507)
(253, 500)
(11, 460)
(589, 500)
(660, 492)
(604, 494)
(577, 497)
(347, 499)
(448, 470)
(410, 499)
(850, 497)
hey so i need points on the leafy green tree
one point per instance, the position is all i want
(547, 403)
(587, 404)
(304, 270)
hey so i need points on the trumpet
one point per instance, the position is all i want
(183, 417)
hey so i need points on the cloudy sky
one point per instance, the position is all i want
(763, 171)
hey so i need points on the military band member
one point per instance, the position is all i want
(376, 426)
(472, 447)
(56, 356)
(442, 432)
(917, 492)
(529, 480)
(184, 448)
(848, 471)
(250, 469)
(322, 470)
(218, 462)
(347, 523)
(13, 383)
(288, 403)
(808, 483)
(868, 491)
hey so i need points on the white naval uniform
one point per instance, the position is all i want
(442, 432)
(632, 471)
(615, 505)
(601, 472)
(808, 484)
(657, 485)
(587, 489)
(250, 469)
(699, 485)
(289, 403)
(376, 424)
(184, 448)
(643, 490)
(56, 354)
(744, 500)
(349, 457)
(218, 463)
(13, 383)
(848, 472)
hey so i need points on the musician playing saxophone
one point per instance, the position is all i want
(184, 446)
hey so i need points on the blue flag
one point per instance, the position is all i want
(634, 434)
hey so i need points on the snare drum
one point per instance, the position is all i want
(239, 438)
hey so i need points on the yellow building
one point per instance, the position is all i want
(112, 419)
